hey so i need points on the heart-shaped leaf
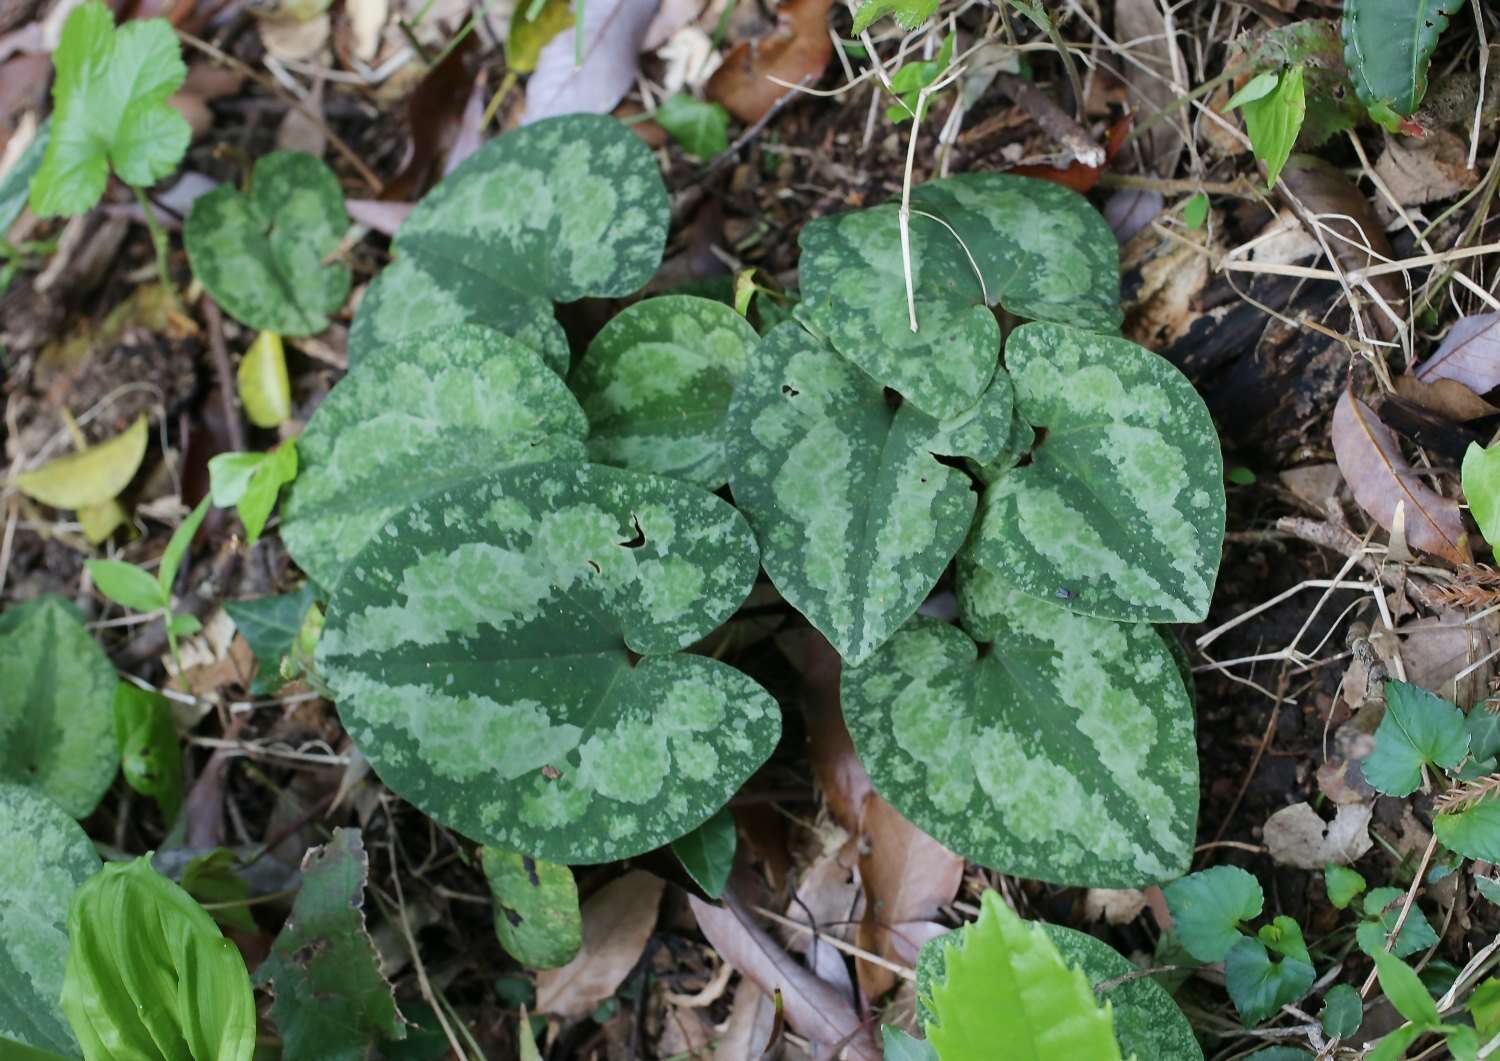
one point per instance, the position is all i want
(976, 240)
(412, 419)
(483, 651)
(536, 908)
(1059, 748)
(1383, 907)
(656, 382)
(1418, 728)
(1121, 510)
(502, 237)
(261, 255)
(57, 690)
(856, 515)
(1209, 906)
(1260, 985)
(47, 856)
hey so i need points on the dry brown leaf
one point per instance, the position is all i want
(907, 876)
(1424, 170)
(1297, 836)
(290, 39)
(1437, 649)
(813, 1008)
(751, 1021)
(828, 899)
(433, 118)
(1316, 485)
(840, 775)
(797, 48)
(617, 922)
(1447, 397)
(1382, 481)
(1469, 354)
(612, 34)
(1141, 27)
(1117, 906)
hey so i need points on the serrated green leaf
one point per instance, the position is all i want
(502, 237)
(1483, 726)
(480, 647)
(410, 421)
(856, 515)
(57, 688)
(1062, 750)
(1005, 982)
(47, 856)
(1383, 907)
(149, 975)
(1418, 729)
(1388, 46)
(270, 625)
(90, 476)
(1484, 1007)
(1273, 121)
(264, 388)
(260, 255)
(1343, 1012)
(707, 853)
(110, 110)
(909, 13)
(656, 382)
(1122, 505)
(1042, 250)
(1258, 985)
(1208, 908)
(899, 1046)
(1473, 832)
(16, 184)
(150, 755)
(701, 127)
(332, 1003)
(1343, 885)
(127, 585)
(1481, 484)
(1405, 990)
(537, 918)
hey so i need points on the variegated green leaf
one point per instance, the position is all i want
(483, 648)
(537, 918)
(261, 255)
(1060, 747)
(1120, 512)
(978, 240)
(563, 209)
(656, 382)
(57, 691)
(411, 420)
(47, 856)
(856, 516)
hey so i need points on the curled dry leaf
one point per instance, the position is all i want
(1141, 27)
(617, 922)
(612, 34)
(1469, 354)
(1448, 398)
(752, 1020)
(1297, 836)
(1424, 171)
(797, 48)
(1117, 906)
(1383, 483)
(813, 1008)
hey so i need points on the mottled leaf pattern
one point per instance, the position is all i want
(481, 648)
(47, 856)
(537, 918)
(57, 689)
(1121, 511)
(856, 516)
(502, 237)
(411, 420)
(1063, 750)
(656, 382)
(261, 255)
(1031, 246)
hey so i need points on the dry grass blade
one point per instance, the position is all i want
(1383, 482)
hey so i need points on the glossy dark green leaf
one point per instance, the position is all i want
(261, 255)
(1260, 985)
(707, 853)
(1388, 46)
(483, 650)
(150, 754)
(537, 917)
(1343, 1012)
(47, 856)
(270, 626)
(57, 689)
(332, 1003)
(1208, 908)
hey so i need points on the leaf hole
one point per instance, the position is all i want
(640, 535)
(594, 564)
(893, 398)
(529, 865)
(511, 916)
(789, 390)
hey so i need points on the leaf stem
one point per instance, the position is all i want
(158, 240)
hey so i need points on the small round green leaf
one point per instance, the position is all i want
(707, 853)
(1343, 1012)
(1122, 505)
(483, 651)
(261, 255)
(656, 383)
(47, 856)
(1208, 907)
(562, 209)
(57, 690)
(409, 421)
(856, 516)
(537, 918)
(1343, 885)
(1061, 750)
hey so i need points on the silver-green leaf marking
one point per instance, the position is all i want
(1121, 510)
(485, 648)
(411, 420)
(856, 516)
(656, 382)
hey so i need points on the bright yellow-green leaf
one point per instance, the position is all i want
(91, 476)
(529, 33)
(150, 756)
(264, 388)
(99, 521)
(1481, 482)
(1274, 120)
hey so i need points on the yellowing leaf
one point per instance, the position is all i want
(531, 29)
(264, 388)
(99, 521)
(91, 476)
